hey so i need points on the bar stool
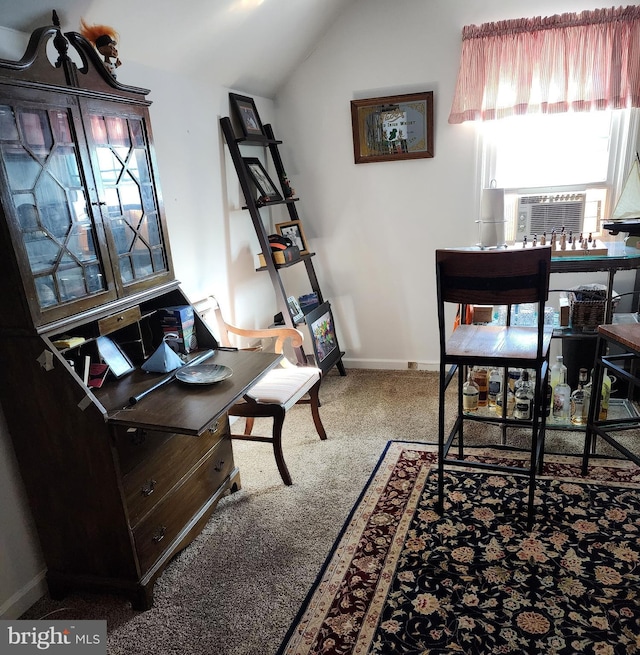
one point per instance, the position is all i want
(493, 277)
(626, 338)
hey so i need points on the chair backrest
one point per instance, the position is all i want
(493, 277)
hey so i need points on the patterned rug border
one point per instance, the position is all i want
(556, 467)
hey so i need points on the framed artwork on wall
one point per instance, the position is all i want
(293, 230)
(244, 108)
(267, 191)
(393, 128)
(323, 337)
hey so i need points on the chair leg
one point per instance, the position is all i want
(278, 422)
(441, 408)
(315, 405)
(248, 426)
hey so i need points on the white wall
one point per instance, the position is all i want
(375, 226)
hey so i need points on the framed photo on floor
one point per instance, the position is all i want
(323, 337)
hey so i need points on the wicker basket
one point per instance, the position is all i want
(587, 309)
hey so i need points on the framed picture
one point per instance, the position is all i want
(267, 191)
(293, 230)
(245, 111)
(323, 336)
(393, 127)
(114, 357)
(297, 315)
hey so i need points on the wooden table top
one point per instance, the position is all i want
(626, 334)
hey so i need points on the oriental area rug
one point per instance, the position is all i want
(403, 579)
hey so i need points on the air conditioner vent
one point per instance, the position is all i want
(545, 213)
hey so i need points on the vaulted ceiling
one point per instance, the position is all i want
(248, 45)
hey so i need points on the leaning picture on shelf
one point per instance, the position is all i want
(293, 230)
(114, 357)
(323, 336)
(267, 191)
(245, 111)
(297, 316)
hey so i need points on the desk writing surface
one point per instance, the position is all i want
(180, 407)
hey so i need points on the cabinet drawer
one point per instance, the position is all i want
(158, 530)
(166, 462)
(117, 321)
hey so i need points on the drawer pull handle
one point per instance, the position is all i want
(219, 465)
(214, 428)
(148, 487)
(159, 534)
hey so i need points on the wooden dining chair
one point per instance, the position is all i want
(275, 393)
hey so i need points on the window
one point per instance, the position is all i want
(587, 153)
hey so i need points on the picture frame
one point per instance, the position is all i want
(244, 109)
(393, 128)
(114, 357)
(293, 230)
(297, 315)
(323, 337)
(267, 191)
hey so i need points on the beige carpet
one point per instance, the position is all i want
(238, 587)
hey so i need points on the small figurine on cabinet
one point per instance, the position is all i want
(104, 38)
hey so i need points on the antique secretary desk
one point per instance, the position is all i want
(116, 488)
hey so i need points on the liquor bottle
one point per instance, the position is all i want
(495, 386)
(513, 376)
(557, 371)
(577, 398)
(470, 393)
(587, 401)
(562, 399)
(524, 398)
(604, 398)
(481, 378)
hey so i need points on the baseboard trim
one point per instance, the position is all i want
(387, 364)
(24, 598)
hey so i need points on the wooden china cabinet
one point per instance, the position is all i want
(116, 488)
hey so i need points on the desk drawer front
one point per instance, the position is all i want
(158, 530)
(165, 465)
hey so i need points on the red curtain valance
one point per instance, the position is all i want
(567, 62)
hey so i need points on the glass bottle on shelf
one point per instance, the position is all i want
(578, 397)
(495, 386)
(557, 372)
(562, 399)
(513, 375)
(604, 398)
(470, 393)
(481, 378)
(587, 401)
(523, 398)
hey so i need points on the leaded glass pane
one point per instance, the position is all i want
(45, 181)
(41, 250)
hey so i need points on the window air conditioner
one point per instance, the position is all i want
(545, 213)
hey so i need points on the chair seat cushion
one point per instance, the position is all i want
(284, 386)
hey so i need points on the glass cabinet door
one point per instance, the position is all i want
(130, 207)
(44, 179)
